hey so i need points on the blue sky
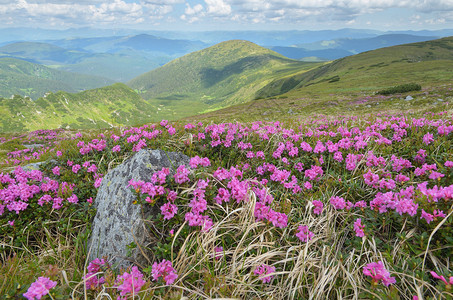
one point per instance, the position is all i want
(229, 14)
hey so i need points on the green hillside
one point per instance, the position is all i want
(219, 76)
(98, 108)
(427, 63)
(19, 77)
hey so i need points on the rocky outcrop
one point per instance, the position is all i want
(118, 222)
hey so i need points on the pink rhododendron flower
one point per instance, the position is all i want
(182, 174)
(222, 196)
(130, 283)
(116, 148)
(263, 272)
(165, 270)
(168, 210)
(263, 212)
(338, 156)
(93, 281)
(304, 234)
(97, 182)
(338, 202)
(73, 199)
(56, 170)
(377, 271)
(427, 216)
(92, 168)
(358, 227)
(318, 207)
(171, 130)
(440, 277)
(76, 168)
(428, 138)
(218, 252)
(39, 288)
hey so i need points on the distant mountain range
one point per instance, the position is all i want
(118, 58)
(270, 38)
(122, 54)
(20, 77)
(338, 48)
(226, 74)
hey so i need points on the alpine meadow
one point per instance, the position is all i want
(229, 164)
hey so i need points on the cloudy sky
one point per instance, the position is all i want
(229, 14)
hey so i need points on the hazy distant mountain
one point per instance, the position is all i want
(39, 34)
(42, 53)
(120, 66)
(271, 38)
(365, 44)
(19, 77)
(338, 48)
(145, 43)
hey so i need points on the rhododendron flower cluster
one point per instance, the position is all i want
(130, 283)
(377, 271)
(25, 185)
(304, 234)
(263, 272)
(165, 270)
(359, 227)
(39, 288)
(92, 279)
(318, 206)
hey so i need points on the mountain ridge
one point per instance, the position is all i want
(218, 76)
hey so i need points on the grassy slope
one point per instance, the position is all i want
(97, 108)
(225, 74)
(428, 63)
(360, 76)
(28, 79)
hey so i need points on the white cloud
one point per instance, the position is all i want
(82, 12)
(218, 7)
(197, 9)
(68, 13)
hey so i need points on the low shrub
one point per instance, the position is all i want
(402, 88)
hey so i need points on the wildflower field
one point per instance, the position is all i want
(352, 207)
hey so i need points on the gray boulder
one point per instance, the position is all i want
(409, 98)
(118, 222)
